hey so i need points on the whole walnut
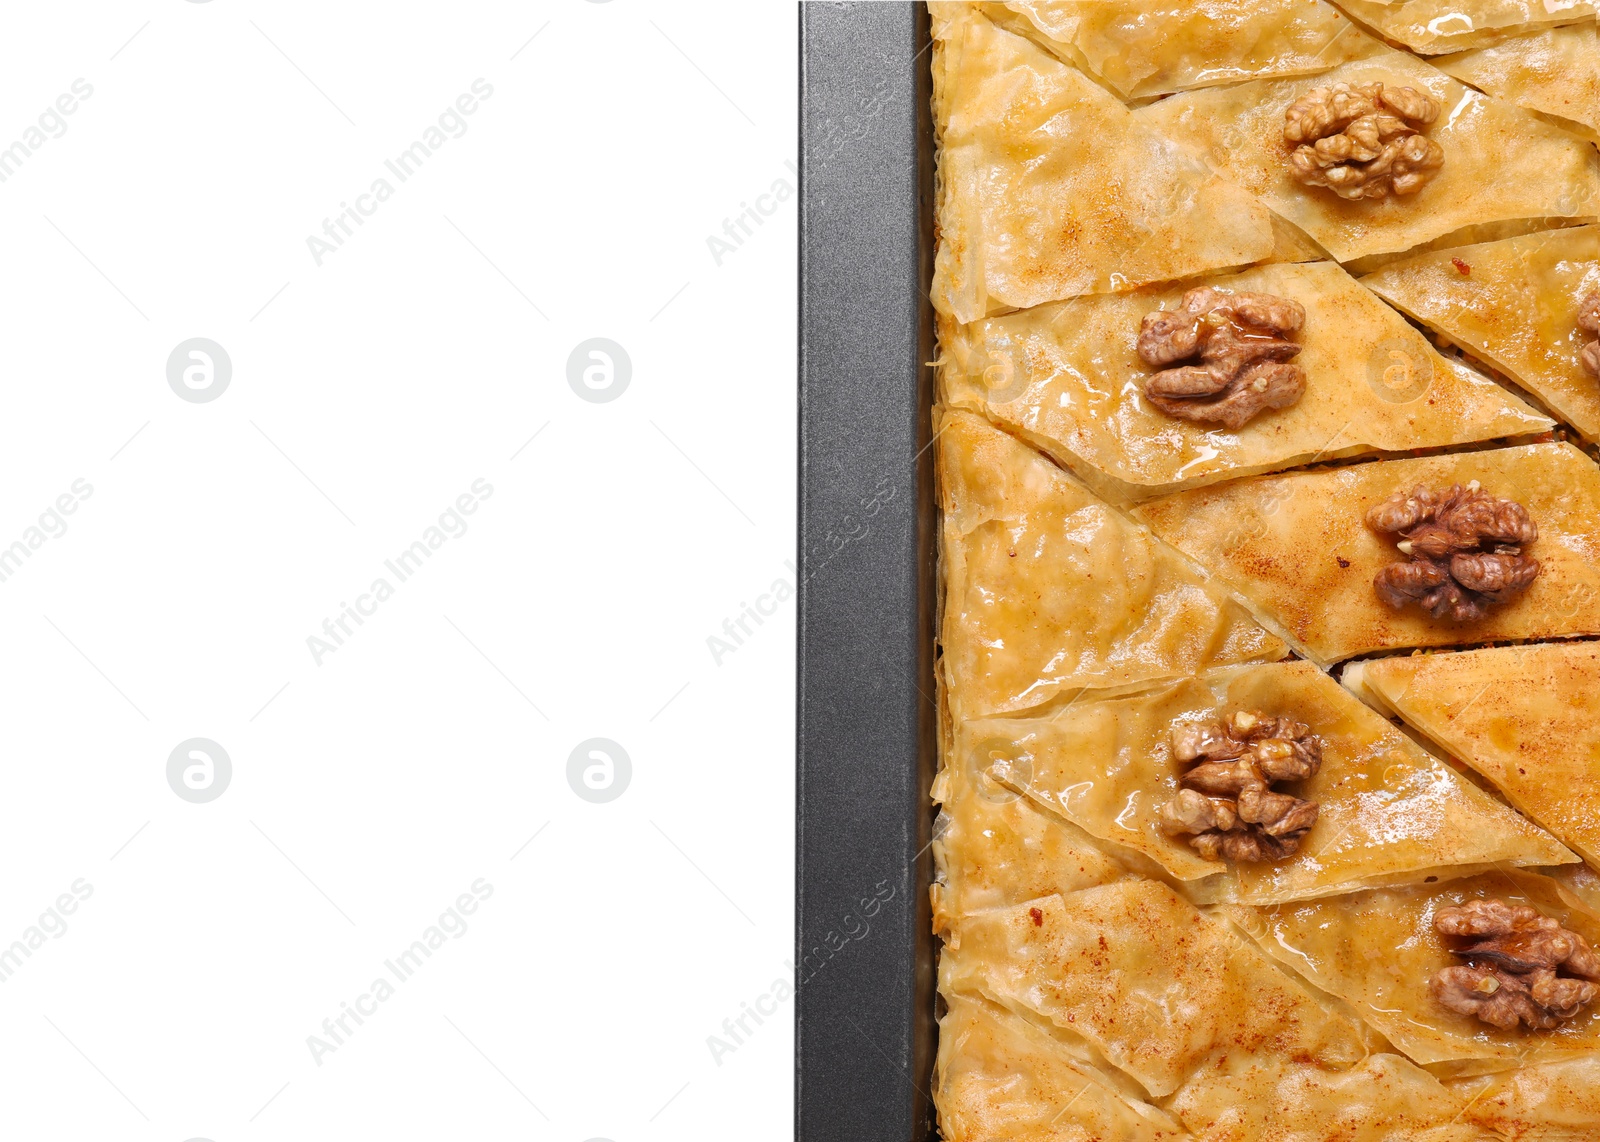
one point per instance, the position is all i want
(1363, 141)
(1463, 548)
(1226, 806)
(1521, 966)
(1239, 342)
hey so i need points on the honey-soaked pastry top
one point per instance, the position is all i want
(1377, 950)
(1500, 161)
(1435, 26)
(1555, 71)
(1299, 548)
(994, 847)
(1384, 1098)
(1049, 589)
(1145, 979)
(1542, 1102)
(1001, 1076)
(1515, 304)
(1145, 48)
(1068, 376)
(1527, 718)
(1052, 189)
(1389, 811)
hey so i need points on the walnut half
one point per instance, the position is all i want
(1521, 967)
(1226, 806)
(1464, 550)
(1236, 344)
(1589, 322)
(1363, 141)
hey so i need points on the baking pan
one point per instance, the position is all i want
(864, 957)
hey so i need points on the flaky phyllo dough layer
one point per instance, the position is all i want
(1213, 799)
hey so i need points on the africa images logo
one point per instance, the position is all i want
(599, 770)
(199, 370)
(199, 770)
(599, 370)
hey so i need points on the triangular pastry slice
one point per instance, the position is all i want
(1500, 162)
(1049, 590)
(1000, 1076)
(1377, 950)
(1146, 980)
(1525, 717)
(1298, 546)
(1067, 376)
(1030, 151)
(1514, 303)
(1435, 26)
(1145, 48)
(1555, 71)
(1388, 811)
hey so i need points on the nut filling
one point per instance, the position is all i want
(1240, 341)
(1363, 142)
(1227, 807)
(1521, 967)
(1464, 551)
(1589, 322)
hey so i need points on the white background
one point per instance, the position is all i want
(367, 394)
